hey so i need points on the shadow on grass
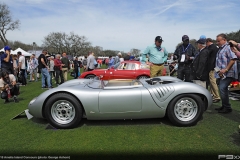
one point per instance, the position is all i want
(85, 122)
(128, 122)
(234, 115)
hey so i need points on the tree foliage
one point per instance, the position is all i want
(6, 23)
(73, 44)
(135, 52)
(234, 36)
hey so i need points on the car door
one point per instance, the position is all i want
(125, 71)
(120, 100)
(108, 74)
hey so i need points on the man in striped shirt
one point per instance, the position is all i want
(226, 62)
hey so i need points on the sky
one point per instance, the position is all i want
(124, 24)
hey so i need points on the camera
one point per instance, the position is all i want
(230, 43)
(217, 70)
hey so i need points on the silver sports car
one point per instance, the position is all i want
(94, 99)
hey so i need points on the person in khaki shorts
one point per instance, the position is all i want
(66, 65)
(212, 49)
(157, 55)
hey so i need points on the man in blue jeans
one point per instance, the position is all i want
(226, 62)
(42, 62)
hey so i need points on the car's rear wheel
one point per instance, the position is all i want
(63, 111)
(185, 110)
(142, 77)
(90, 76)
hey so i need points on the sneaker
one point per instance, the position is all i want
(15, 99)
(6, 101)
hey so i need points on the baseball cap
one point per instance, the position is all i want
(201, 41)
(185, 37)
(202, 37)
(7, 48)
(159, 39)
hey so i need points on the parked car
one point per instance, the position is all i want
(66, 105)
(126, 70)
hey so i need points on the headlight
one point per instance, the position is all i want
(33, 100)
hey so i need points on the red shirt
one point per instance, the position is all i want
(58, 63)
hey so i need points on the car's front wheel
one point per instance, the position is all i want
(63, 111)
(185, 110)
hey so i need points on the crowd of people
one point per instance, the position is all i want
(211, 64)
(15, 69)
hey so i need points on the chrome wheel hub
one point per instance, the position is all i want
(185, 109)
(63, 112)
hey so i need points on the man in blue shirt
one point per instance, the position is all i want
(157, 55)
(111, 62)
(7, 61)
(1, 61)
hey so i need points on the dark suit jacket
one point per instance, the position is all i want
(190, 51)
(200, 67)
(212, 49)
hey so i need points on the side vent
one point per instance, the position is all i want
(161, 92)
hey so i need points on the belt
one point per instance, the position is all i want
(157, 64)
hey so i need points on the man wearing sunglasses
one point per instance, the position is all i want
(8, 87)
(157, 55)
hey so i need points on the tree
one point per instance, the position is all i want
(6, 23)
(73, 44)
(135, 52)
(234, 36)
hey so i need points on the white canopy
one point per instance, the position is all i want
(23, 52)
(2, 50)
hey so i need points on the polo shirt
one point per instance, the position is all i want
(154, 55)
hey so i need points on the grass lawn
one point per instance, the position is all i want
(142, 139)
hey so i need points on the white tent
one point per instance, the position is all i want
(23, 52)
(2, 50)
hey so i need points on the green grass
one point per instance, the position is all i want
(214, 134)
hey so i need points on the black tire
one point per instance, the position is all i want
(90, 76)
(142, 77)
(192, 108)
(70, 109)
